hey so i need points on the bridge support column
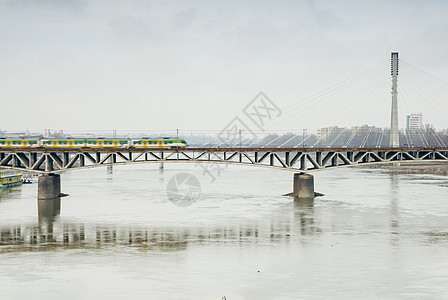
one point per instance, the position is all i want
(49, 186)
(303, 185)
(161, 166)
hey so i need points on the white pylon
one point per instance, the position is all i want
(394, 137)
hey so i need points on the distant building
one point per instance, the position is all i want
(364, 129)
(414, 122)
(323, 133)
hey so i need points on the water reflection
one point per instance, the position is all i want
(110, 172)
(48, 210)
(304, 215)
(394, 213)
(6, 193)
(51, 232)
(49, 235)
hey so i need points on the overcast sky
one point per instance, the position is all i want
(147, 65)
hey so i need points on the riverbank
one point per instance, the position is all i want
(438, 168)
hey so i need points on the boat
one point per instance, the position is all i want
(10, 178)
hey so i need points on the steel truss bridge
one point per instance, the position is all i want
(54, 160)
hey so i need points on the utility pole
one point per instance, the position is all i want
(394, 134)
(177, 134)
(240, 136)
(303, 137)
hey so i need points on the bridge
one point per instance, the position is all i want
(51, 161)
(41, 160)
(400, 147)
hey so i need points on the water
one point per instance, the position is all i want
(117, 236)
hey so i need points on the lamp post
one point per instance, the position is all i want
(303, 137)
(240, 137)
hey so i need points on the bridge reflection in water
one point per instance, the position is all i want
(51, 233)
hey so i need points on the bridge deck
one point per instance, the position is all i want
(63, 158)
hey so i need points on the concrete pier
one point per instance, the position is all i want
(49, 186)
(303, 185)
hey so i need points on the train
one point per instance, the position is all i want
(94, 143)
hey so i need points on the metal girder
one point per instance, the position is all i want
(61, 159)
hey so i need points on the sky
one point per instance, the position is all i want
(195, 65)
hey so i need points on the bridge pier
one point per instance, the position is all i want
(303, 185)
(49, 186)
(161, 166)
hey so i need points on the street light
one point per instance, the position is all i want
(303, 137)
(240, 137)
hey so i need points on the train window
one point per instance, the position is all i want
(2, 142)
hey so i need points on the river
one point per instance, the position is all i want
(118, 235)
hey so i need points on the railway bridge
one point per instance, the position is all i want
(56, 160)
(50, 161)
(52, 158)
